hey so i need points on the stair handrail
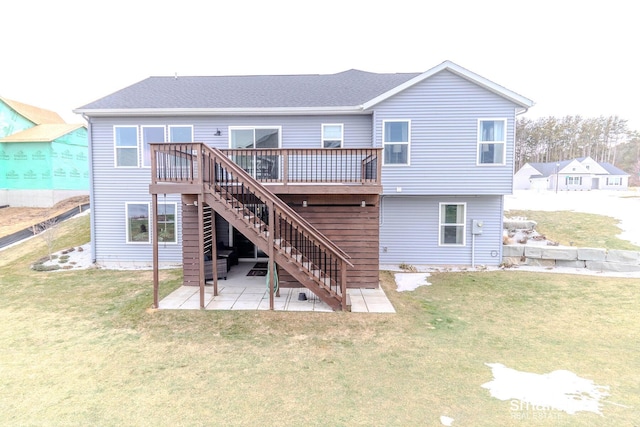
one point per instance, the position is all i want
(256, 187)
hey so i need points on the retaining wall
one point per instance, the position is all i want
(589, 258)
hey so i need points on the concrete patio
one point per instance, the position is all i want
(242, 292)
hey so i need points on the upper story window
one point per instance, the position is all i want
(492, 141)
(254, 137)
(126, 146)
(452, 224)
(180, 133)
(332, 135)
(396, 141)
(150, 134)
(134, 151)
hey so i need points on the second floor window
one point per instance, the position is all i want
(332, 136)
(492, 142)
(396, 141)
(150, 134)
(126, 146)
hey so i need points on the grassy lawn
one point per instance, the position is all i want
(581, 229)
(83, 348)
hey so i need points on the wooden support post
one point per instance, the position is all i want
(154, 237)
(272, 264)
(214, 253)
(343, 284)
(201, 248)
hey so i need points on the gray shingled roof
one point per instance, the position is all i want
(612, 169)
(345, 89)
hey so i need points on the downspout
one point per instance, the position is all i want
(92, 211)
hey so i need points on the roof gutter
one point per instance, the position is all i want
(106, 112)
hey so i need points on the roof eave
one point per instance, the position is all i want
(106, 112)
(523, 103)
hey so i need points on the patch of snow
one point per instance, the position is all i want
(446, 421)
(411, 281)
(561, 390)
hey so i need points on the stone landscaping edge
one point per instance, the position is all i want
(594, 259)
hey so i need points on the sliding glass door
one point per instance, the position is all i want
(262, 165)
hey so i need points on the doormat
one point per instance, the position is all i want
(259, 269)
(257, 272)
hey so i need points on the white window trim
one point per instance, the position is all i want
(175, 224)
(126, 222)
(232, 128)
(322, 138)
(479, 141)
(115, 147)
(142, 143)
(408, 143)
(463, 224)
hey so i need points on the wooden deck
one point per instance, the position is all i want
(302, 207)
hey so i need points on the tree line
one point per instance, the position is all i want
(552, 139)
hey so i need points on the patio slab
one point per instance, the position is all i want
(241, 292)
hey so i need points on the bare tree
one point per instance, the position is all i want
(48, 231)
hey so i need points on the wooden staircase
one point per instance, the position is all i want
(273, 226)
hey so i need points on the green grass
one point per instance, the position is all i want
(84, 348)
(577, 229)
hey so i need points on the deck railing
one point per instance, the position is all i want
(282, 166)
(310, 165)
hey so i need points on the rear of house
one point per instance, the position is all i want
(374, 168)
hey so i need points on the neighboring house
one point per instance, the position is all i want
(358, 169)
(42, 159)
(579, 174)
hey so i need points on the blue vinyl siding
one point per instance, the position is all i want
(115, 186)
(444, 112)
(409, 231)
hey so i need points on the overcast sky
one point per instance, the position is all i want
(570, 57)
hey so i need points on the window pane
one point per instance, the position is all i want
(396, 132)
(126, 137)
(491, 153)
(150, 134)
(167, 222)
(137, 222)
(267, 138)
(396, 154)
(331, 144)
(331, 132)
(127, 157)
(450, 214)
(180, 134)
(242, 138)
(492, 130)
(452, 234)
